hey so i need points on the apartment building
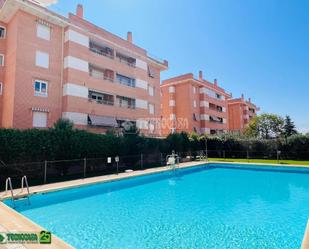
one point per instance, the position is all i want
(193, 105)
(52, 67)
(240, 112)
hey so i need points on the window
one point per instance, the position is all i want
(124, 80)
(43, 31)
(40, 88)
(101, 49)
(130, 61)
(100, 73)
(39, 119)
(194, 90)
(194, 117)
(2, 32)
(151, 109)
(126, 102)
(1, 60)
(42, 59)
(194, 103)
(1, 88)
(172, 116)
(151, 72)
(172, 102)
(150, 90)
(101, 98)
(213, 132)
(171, 89)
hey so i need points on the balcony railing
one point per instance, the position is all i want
(131, 64)
(215, 120)
(102, 74)
(129, 106)
(101, 50)
(101, 101)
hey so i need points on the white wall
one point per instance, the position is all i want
(204, 117)
(141, 64)
(76, 118)
(75, 90)
(142, 84)
(71, 35)
(204, 103)
(140, 103)
(76, 63)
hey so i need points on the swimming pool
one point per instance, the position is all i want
(214, 206)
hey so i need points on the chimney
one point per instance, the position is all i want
(216, 82)
(129, 37)
(80, 11)
(242, 96)
(200, 75)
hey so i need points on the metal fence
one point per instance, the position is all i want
(63, 170)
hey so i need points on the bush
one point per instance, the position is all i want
(64, 142)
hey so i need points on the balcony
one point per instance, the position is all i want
(101, 98)
(124, 80)
(216, 119)
(101, 49)
(125, 102)
(251, 110)
(216, 108)
(101, 74)
(130, 61)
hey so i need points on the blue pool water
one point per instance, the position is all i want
(204, 207)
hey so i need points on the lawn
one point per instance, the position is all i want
(286, 162)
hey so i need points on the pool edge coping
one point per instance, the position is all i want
(21, 220)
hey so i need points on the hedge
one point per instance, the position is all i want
(56, 144)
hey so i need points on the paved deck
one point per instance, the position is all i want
(12, 221)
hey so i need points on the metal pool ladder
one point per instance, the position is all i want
(25, 181)
(8, 184)
(172, 160)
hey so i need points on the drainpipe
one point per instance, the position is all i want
(61, 72)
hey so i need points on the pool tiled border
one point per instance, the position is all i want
(14, 221)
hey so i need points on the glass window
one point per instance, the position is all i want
(40, 88)
(2, 32)
(43, 31)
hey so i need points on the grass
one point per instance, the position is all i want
(285, 162)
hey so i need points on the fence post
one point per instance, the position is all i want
(161, 159)
(278, 155)
(224, 154)
(248, 155)
(85, 166)
(141, 161)
(45, 171)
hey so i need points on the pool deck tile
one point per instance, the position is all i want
(10, 220)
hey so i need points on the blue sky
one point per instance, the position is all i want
(256, 47)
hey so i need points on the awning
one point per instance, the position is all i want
(102, 121)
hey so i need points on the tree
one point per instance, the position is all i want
(288, 127)
(63, 124)
(265, 126)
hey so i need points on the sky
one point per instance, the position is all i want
(256, 47)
